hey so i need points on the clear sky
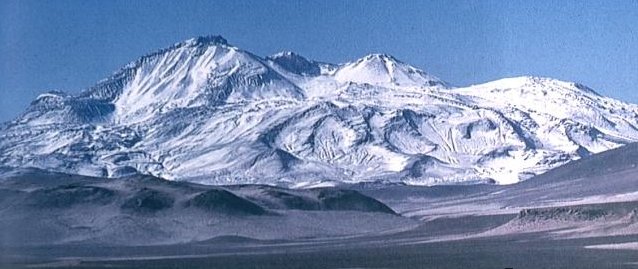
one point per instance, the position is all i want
(69, 45)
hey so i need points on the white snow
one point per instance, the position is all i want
(629, 246)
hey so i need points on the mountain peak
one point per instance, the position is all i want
(284, 54)
(201, 71)
(539, 83)
(379, 56)
(206, 40)
(295, 63)
(384, 69)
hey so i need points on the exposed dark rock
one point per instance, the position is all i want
(148, 201)
(292, 201)
(562, 213)
(349, 200)
(70, 195)
(223, 201)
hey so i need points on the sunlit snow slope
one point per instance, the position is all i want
(206, 111)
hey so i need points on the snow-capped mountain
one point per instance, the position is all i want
(203, 110)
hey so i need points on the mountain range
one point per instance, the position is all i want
(208, 112)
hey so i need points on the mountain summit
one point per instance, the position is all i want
(383, 69)
(203, 110)
(295, 63)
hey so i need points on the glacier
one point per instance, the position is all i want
(206, 111)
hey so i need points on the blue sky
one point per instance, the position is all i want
(69, 45)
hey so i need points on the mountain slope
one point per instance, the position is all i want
(205, 111)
